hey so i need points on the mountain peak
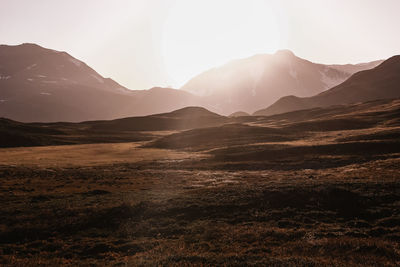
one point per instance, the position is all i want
(30, 45)
(285, 52)
(25, 49)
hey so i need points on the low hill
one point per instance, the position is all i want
(15, 134)
(388, 107)
(289, 126)
(185, 118)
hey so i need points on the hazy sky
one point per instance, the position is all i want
(146, 43)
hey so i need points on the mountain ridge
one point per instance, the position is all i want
(251, 83)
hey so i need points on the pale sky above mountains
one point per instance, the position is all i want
(146, 43)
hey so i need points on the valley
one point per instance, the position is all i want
(199, 133)
(310, 188)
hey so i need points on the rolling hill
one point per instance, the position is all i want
(185, 118)
(15, 134)
(381, 115)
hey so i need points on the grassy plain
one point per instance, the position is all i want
(262, 191)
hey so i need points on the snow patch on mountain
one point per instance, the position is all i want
(5, 77)
(293, 73)
(100, 80)
(256, 72)
(31, 66)
(75, 61)
(329, 81)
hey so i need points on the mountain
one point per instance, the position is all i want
(39, 84)
(381, 82)
(252, 83)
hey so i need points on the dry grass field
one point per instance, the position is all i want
(269, 191)
(86, 155)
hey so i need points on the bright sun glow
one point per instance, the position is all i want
(199, 35)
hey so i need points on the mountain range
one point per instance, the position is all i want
(44, 85)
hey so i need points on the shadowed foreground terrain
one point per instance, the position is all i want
(308, 188)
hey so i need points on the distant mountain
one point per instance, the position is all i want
(381, 82)
(351, 68)
(39, 84)
(252, 83)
